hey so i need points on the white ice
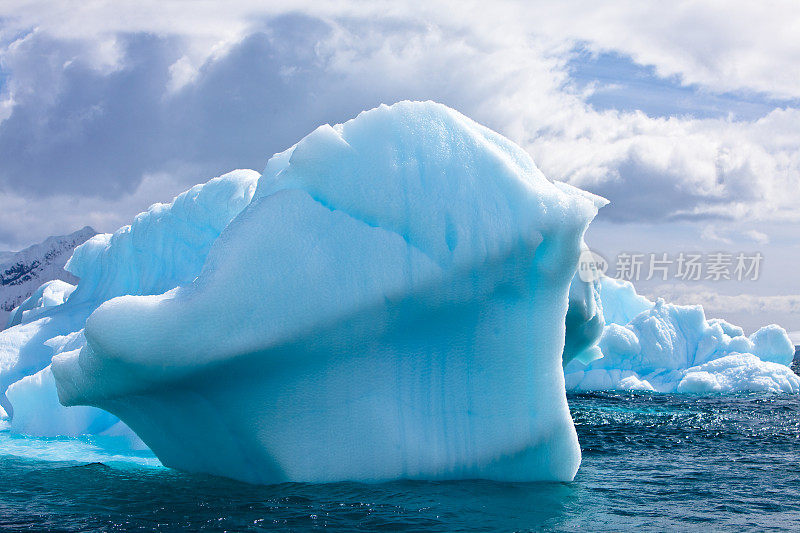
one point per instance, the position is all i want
(164, 247)
(49, 294)
(673, 348)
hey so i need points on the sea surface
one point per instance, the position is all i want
(651, 462)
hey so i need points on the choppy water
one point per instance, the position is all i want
(650, 462)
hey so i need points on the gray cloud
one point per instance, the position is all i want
(99, 120)
(76, 129)
(751, 311)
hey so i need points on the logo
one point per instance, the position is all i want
(591, 266)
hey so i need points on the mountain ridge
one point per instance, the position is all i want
(22, 272)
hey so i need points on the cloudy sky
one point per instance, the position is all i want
(684, 114)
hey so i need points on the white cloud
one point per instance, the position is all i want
(205, 89)
(182, 72)
(6, 105)
(745, 309)
(715, 302)
(724, 46)
(712, 233)
(727, 235)
(63, 213)
(757, 237)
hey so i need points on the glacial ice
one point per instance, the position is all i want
(395, 297)
(37, 410)
(164, 247)
(49, 294)
(584, 320)
(390, 305)
(672, 348)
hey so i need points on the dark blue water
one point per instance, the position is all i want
(650, 462)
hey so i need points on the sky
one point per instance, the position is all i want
(683, 114)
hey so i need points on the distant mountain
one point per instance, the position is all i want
(23, 272)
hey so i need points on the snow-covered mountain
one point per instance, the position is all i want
(23, 272)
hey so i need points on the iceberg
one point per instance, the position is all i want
(398, 296)
(163, 248)
(391, 304)
(662, 347)
(38, 412)
(584, 320)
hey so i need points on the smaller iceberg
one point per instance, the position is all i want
(662, 347)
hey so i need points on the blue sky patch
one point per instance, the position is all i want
(627, 86)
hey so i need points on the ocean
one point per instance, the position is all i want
(651, 462)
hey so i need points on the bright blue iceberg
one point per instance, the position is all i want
(393, 298)
(391, 304)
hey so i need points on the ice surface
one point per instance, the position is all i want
(25, 348)
(673, 348)
(620, 301)
(165, 246)
(739, 372)
(390, 305)
(584, 321)
(38, 412)
(49, 294)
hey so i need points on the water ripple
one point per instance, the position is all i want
(651, 462)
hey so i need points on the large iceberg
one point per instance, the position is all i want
(394, 298)
(391, 304)
(659, 346)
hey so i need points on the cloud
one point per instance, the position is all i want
(751, 311)
(712, 233)
(74, 128)
(730, 46)
(92, 129)
(715, 233)
(756, 236)
(107, 93)
(727, 46)
(62, 213)
(715, 302)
